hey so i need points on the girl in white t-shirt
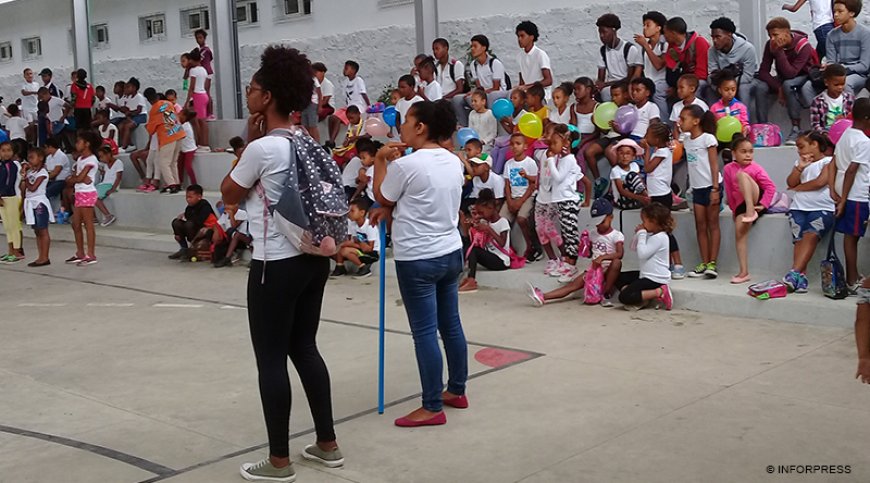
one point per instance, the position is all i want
(490, 240)
(638, 288)
(197, 98)
(811, 214)
(501, 146)
(705, 181)
(628, 190)
(659, 166)
(562, 111)
(37, 208)
(85, 177)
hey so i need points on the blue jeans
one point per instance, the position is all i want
(822, 39)
(430, 292)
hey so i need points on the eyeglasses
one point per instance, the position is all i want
(249, 88)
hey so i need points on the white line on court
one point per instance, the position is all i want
(39, 304)
(232, 307)
(110, 304)
(178, 306)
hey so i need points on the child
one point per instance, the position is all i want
(659, 167)
(704, 179)
(822, 18)
(535, 101)
(628, 189)
(490, 236)
(172, 97)
(347, 150)
(101, 103)
(607, 251)
(354, 88)
(87, 144)
(638, 288)
(618, 60)
(481, 119)
(37, 208)
(237, 145)
(642, 90)
(521, 177)
(562, 112)
(351, 171)
(619, 95)
(112, 171)
(194, 224)
(749, 192)
(583, 108)
(198, 99)
(811, 213)
(165, 129)
(429, 88)
(728, 105)
(234, 234)
(365, 173)
(16, 125)
(407, 89)
(10, 203)
(834, 103)
(187, 148)
(133, 106)
(852, 187)
(501, 148)
(106, 129)
(479, 165)
(363, 244)
(687, 87)
(559, 203)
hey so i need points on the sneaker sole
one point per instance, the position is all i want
(695, 275)
(711, 275)
(249, 477)
(326, 463)
(359, 277)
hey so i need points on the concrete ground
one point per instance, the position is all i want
(139, 369)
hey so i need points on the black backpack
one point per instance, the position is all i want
(507, 78)
(625, 49)
(466, 87)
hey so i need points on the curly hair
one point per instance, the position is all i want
(609, 20)
(93, 140)
(660, 215)
(286, 74)
(438, 116)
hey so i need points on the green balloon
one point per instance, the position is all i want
(603, 114)
(727, 127)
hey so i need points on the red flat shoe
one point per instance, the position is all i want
(458, 402)
(435, 420)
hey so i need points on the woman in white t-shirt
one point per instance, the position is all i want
(284, 300)
(490, 239)
(422, 191)
(197, 98)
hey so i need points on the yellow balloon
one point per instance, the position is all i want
(531, 126)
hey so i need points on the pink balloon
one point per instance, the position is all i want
(377, 128)
(626, 119)
(837, 130)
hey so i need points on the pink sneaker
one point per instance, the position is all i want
(142, 188)
(666, 299)
(536, 295)
(150, 189)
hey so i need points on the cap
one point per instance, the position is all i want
(600, 209)
(45, 71)
(482, 159)
(630, 143)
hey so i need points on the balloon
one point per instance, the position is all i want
(678, 152)
(837, 130)
(390, 116)
(626, 119)
(727, 127)
(603, 114)
(573, 128)
(531, 126)
(376, 128)
(466, 134)
(502, 108)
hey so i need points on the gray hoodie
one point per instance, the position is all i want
(742, 52)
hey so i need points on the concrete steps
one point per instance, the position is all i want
(150, 212)
(210, 169)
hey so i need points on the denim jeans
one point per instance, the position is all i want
(794, 96)
(822, 39)
(430, 293)
(854, 84)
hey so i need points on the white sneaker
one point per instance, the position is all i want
(203, 149)
(567, 273)
(607, 303)
(129, 149)
(552, 267)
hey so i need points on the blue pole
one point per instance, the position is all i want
(381, 326)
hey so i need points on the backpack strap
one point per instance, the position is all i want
(452, 64)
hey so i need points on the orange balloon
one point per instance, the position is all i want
(678, 152)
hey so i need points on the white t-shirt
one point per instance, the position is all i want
(563, 118)
(351, 172)
(138, 101)
(649, 71)
(605, 244)
(327, 89)
(59, 158)
(16, 126)
(442, 75)
(619, 173)
(820, 11)
(486, 76)
(110, 173)
(500, 226)
(494, 182)
(485, 124)
(511, 173)
(565, 175)
(679, 105)
(532, 64)
(94, 173)
(109, 132)
(658, 182)
(616, 66)
(353, 93)
(240, 216)
(819, 200)
(698, 159)
(31, 178)
(854, 147)
(314, 98)
(432, 90)
(426, 186)
(370, 184)
(188, 142)
(652, 251)
(55, 109)
(28, 103)
(265, 160)
(365, 233)
(404, 105)
(645, 114)
(200, 74)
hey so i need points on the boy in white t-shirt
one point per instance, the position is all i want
(362, 248)
(687, 87)
(408, 92)
(236, 236)
(429, 88)
(480, 165)
(534, 63)
(354, 90)
(618, 59)
(521, 178)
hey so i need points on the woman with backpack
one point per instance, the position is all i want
(285, 286)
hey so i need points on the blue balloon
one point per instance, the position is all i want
(390, 116)
(502, 108)
(466, 134)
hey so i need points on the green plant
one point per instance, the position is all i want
(385, 94)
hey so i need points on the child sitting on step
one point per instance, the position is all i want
(638, 288)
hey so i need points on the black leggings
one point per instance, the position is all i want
(490, 261)
(284, 314)
(668, 201)
(630, 286)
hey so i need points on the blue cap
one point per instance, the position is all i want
(600, 209)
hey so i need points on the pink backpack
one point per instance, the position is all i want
(480, 239)
(585, 250)
(771, 289)
(765, 135)
(594, 285)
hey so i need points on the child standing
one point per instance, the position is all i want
(354, 88)
(749, 192)
(562, 112)
(638, 288)
(363, 246)
(490, 237)
(112, 171)
(852, 187)
(87, 144)
(811, 214)
(10, 203)
(37, 208)
(728, 105)
(197, 98)
(481, 119)
(187, 149)
(704, 179)
(521, 177)
(164, 126)
(834, 103)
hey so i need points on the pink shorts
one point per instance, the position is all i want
(200, 104)
(341, 114)
(86, 199)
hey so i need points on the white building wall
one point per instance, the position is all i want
(380, 38)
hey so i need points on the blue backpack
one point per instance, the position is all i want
(833, 277)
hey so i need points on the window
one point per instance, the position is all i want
(194, 19)
(292, 8)
(31, 48)
(246, 12)
(5, 51)
(152, 27)
(100, 36)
